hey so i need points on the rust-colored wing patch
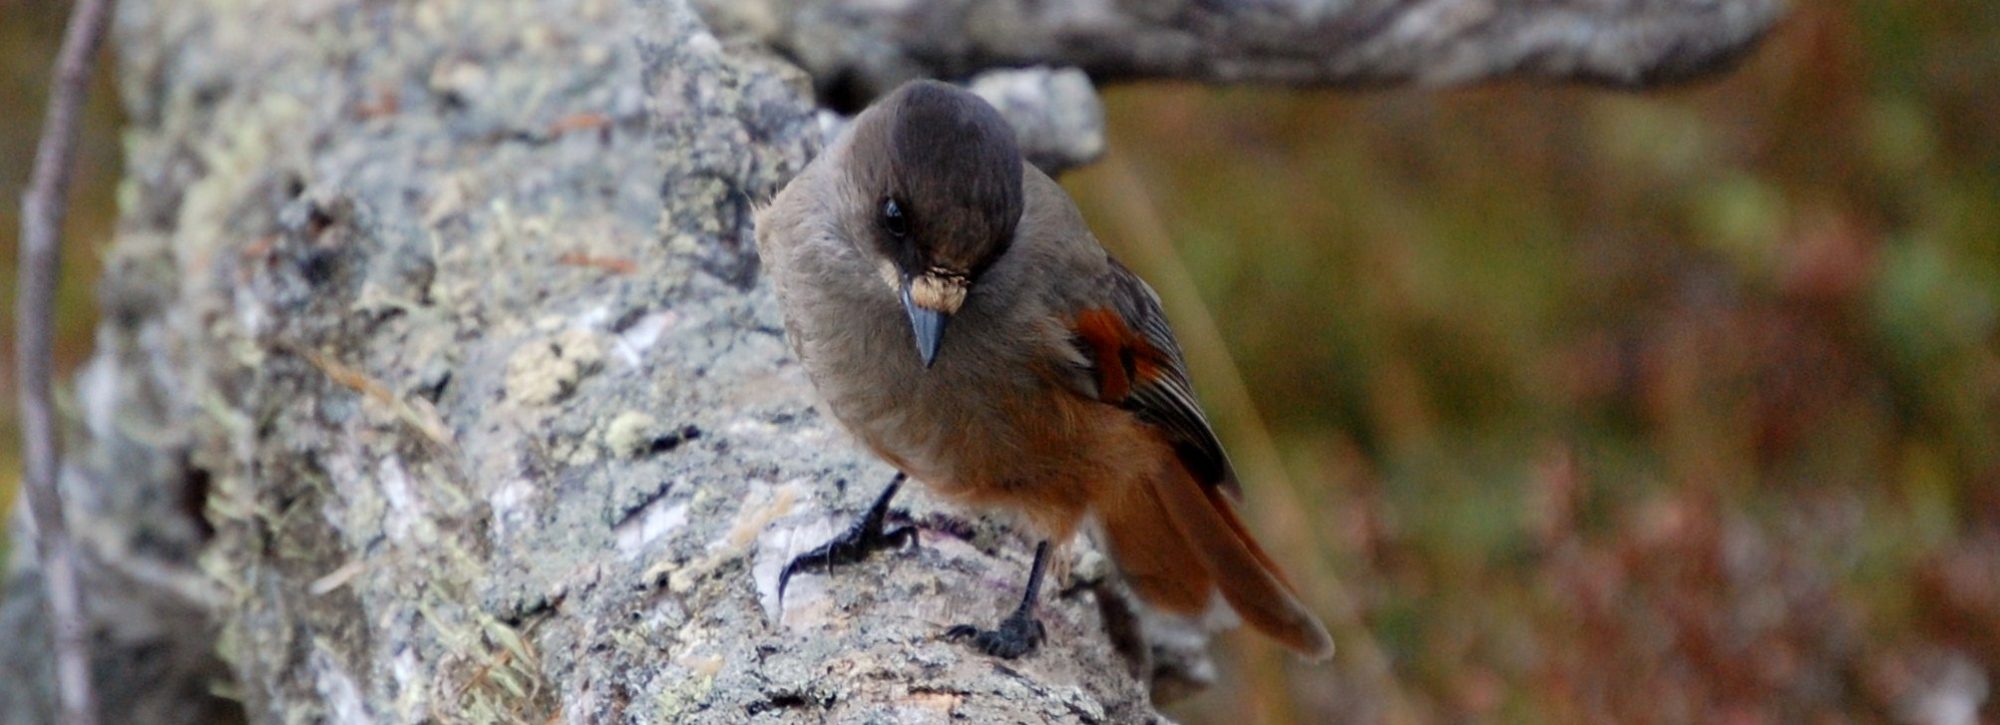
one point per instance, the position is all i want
(1132, 359)
(1106, 340)
(1120, 358)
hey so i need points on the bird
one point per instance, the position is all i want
(953, 311)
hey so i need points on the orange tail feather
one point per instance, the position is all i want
(1199, 542)
(1153, 557)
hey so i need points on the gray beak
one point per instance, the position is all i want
(927, 324)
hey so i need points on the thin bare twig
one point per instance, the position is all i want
(42, 210)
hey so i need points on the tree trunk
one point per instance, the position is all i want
(437, 380)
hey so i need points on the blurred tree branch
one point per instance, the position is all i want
(43, 207)
(855, 49)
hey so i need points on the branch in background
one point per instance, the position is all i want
(856, 50)
(42, 211)
(1055, 112)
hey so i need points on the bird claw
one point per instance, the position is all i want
(1019, 634)
(868, 535)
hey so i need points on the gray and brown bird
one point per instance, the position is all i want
(956, 315)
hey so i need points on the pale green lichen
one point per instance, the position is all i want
(631, 433)
(545, 371)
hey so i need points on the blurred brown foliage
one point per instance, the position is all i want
(1680, 406)
(1664, 407)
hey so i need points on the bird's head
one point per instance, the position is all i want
(938, 176)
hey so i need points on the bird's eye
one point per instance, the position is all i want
(893, 218)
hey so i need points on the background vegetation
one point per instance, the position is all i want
(1563, 404)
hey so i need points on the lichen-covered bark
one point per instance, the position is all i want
(452, 310)
(437, 381)
(859, 49)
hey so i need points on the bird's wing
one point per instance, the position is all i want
(1130, 360)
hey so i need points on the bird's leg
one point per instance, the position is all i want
(1020, 633)
(868, 535)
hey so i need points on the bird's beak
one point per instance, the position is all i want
(928, 324)
(930, 300)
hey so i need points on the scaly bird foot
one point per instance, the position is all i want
(867, 536)
(1019, 634)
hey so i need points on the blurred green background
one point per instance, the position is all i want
(1562, 404)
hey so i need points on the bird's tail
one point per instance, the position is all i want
(1178, 542)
